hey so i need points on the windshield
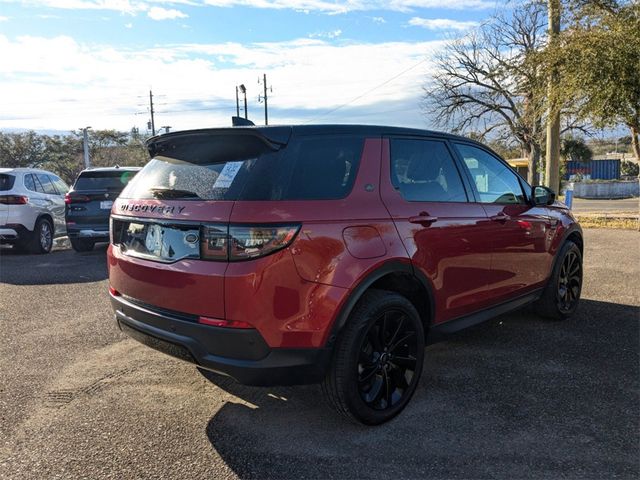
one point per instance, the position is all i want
(246, 168)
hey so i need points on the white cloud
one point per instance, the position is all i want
(3, 19)
(159, 13)
(61, 83)
(330, 34)
(128, 25)
(331, 7)
(442, 24)
(378, 20)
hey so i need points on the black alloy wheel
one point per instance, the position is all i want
(569, 282)
(387, 361)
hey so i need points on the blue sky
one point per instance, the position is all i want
(70, 63)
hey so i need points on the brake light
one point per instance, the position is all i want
(14, 199)
(217, 322)
(214, 242)
(252, 242)
(113, 291)
(68, 199)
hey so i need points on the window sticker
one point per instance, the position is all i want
(228, 173)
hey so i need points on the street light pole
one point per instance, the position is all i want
(243, 89)
(237, 103)
(85, 146)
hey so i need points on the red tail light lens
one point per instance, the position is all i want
(68, 198)
(14, 199)
(214, 242)
(251, 242)
(113, 291)
(217, 322)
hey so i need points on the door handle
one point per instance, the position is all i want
(501, 217)
(423, 219)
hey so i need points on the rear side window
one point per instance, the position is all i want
(114, 180)
(6, 181)
(246, 167)
(424, 171)
(30, 182)
(46, 184)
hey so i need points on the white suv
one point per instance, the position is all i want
(31, 208)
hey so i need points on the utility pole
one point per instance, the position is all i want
(552, 173)
(153, 123)
(85, 146)
(266, 108)
(237, 103)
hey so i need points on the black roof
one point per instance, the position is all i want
(280, 134)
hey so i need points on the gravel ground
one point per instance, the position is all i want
(517, 397)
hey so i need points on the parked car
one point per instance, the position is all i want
(329, 254)
(88, 204)
(31, 208)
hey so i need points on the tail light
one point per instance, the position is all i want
(14, 199)
(252, 242)
(239, 242)
(68, 199)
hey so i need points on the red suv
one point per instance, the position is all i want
(326, 254)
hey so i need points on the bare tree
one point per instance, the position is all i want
(491, 82)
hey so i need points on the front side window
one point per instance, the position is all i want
(61, 187)
(246, 167)
(495, 182)
(424, 171)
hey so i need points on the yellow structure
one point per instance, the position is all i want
(520, 165)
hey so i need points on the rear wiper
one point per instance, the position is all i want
(164, 192)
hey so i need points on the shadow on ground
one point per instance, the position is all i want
(516, 397)
(58, 267)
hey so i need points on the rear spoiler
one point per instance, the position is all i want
(275, 137)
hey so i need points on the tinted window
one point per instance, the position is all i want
(246, 167)
(495, 182)
(29, 182)
(46, 184)
(113, 180)
(6, 181)
(424, 170)
(61, 187)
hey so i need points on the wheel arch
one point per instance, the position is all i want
(49, 218)
(396, 276)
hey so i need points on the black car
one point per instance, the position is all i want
(89, 202)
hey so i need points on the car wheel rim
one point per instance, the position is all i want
(45, 236)
(569, 282)
(387, 360)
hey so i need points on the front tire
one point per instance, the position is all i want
(378, 359)
(562, 294)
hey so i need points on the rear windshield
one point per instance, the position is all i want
(6, 181)
(115, 180)
(244, 167)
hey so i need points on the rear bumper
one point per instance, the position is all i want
(97, 232)
(238, 353)
(13, 233)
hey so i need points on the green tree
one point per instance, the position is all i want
(575, 149)
(598, 58)
(629, 169)
(22, 149)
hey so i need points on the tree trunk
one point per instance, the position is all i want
(533, 153)
(634, 142)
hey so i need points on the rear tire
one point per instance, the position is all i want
(82, 245)
(562, 294)
(378, 359)
(41, 240)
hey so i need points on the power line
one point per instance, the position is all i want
(368, 91)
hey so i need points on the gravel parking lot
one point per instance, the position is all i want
(517, 397)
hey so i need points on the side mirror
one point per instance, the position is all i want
(543, 195)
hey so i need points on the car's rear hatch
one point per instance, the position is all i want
(7, 182)
(170, 225)
(89, 202)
